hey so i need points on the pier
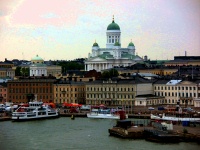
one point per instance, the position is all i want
(130, 130)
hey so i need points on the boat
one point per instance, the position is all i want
(34, 111)
(175, 118)
(107, 114)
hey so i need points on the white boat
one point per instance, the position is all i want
(106, 114)
(174, 118)
(35, 110)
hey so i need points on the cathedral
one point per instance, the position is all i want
(113, 55)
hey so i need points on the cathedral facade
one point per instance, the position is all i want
(113, 55)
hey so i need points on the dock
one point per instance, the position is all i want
(148, 132)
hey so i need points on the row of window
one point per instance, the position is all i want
(31, 84)
(1, 90)
(175, 88)
(70, 89)
(176, 94)
(20, 97)
(110, 89)
(166, 101)
(32, 90)
(123, 103)
(110, 96)
(4, 95)
(70, 95)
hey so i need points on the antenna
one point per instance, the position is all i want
(23, 56)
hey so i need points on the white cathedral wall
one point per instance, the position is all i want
(112, 37)
(38, 71)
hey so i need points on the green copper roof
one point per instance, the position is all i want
(113, 26)
(106, 55)
(38, 65)
(95, 44)
(37, 58)
(131, 44)
(117, 44)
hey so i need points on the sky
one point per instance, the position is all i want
(67, 29)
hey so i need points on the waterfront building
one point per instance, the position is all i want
(24, 90)
(175, 91)
(116, 92)
(148, 100)
(3, 92)
(113, 55)
(69, 92)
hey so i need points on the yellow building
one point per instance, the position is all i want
(177, 91)
(7, 72)
(116, 92)
(69, 92)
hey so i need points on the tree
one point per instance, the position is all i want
(106, 74)
(18, 71)
(22, 71)
(113, 73)
(109, 74)
(68, 65)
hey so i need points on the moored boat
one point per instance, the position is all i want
(107, 114)
(35, 110)
(175, 118)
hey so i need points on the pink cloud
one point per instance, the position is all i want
(32, 12)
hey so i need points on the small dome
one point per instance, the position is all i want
(113, 26)
(117, 44)
(37, 58)
(131, 44)
(95, 44)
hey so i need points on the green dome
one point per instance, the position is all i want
(37, 58)
(131, 44)
(113, 26)
(95, 44)
(117, 44)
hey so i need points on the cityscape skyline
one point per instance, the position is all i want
(66, 30)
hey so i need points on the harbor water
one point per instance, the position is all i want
(78, 134)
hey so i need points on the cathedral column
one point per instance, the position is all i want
(95, 67)
(91, 66)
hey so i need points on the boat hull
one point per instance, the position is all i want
(104, 116)
(165, 118)
(18, 119)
